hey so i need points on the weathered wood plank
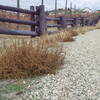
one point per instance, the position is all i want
(14, 9)
(16, 21)
(17, 32)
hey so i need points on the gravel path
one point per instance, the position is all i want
(79, 78)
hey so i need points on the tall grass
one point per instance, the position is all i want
(73, 32)
(85, 29)
(65, 37)
(98, 25)
(23, 60)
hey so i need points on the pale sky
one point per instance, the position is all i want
(92, 4)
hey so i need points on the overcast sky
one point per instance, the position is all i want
(92, 4)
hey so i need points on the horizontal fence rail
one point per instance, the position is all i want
(53, 19)
(16, 21)
(14, 9)
(53, 25)
(68, 19)
(17, 32)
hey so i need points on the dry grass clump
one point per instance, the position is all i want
(73, 32)
(53, 39)
(98, 25)
(49, 40)
(90, 28)
(82, 30)
(65, 37)
(85, 29)
(23, 60)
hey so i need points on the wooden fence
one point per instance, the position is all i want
(38, 21)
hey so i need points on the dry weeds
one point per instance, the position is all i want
(65, 37)
(85, 29)
(53, 39)
(73, 32)
(98, 25)
(23, 60)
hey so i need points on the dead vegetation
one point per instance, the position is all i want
(85, 29)
(65, 37)
(73, 32)
(58, 37)
(98, 25)
(22, 60)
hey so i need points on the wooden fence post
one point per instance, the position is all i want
(98, 17)
(74, 22)
(32, 18)
(82, 21)
(87, 22)
(62, 21)
(96, 20)
(41, 20)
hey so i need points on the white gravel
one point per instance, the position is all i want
(79, 78)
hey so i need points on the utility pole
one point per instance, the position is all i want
(42, 3)
(75, 10)
(55, 8)
(18, 14)
(70, 9)
(66, 7)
